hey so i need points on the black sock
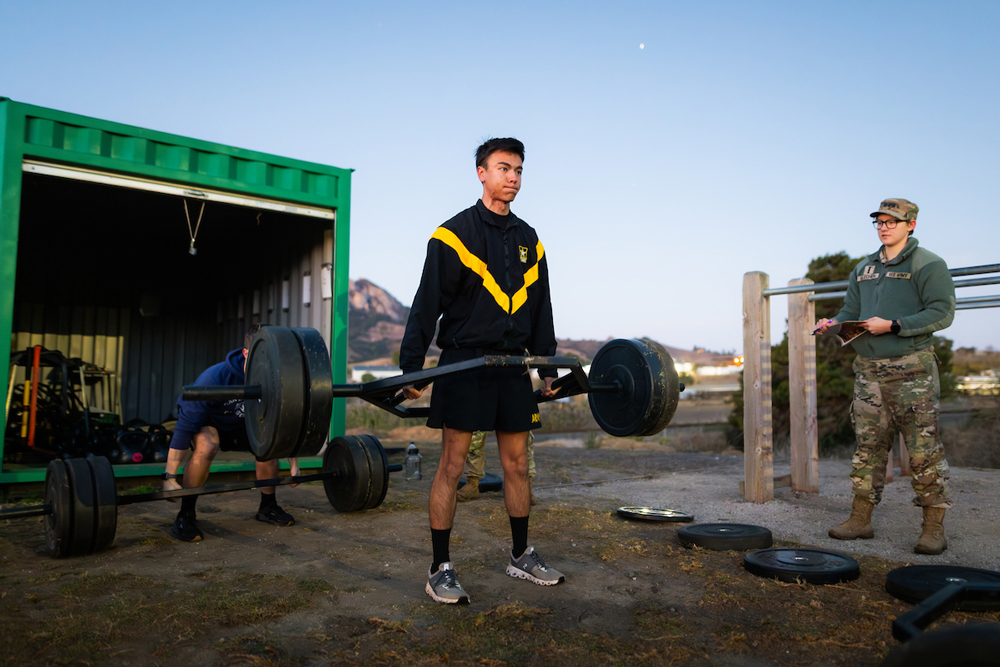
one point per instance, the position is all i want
(267, 499)
(187, 505)
(519, 531)
(439, 541)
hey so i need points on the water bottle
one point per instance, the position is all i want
(413, 463)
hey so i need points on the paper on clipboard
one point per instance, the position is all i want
(846, 331)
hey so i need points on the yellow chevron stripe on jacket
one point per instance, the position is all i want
(475, 264)
(478, 267)
(530, 276)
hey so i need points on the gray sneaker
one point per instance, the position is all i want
(443, 586)
(530, 566)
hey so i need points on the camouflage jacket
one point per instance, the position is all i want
(914, 287)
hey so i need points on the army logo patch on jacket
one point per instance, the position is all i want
(523, 252)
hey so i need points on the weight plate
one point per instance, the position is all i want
(350, 490)
(649, 392)
(319, 392)
(58, 534)
(380, 471)
(916, 583)
(812, 566)
(274, 422)
(654, 514)
(725, 536)
(81, 486)
(107, 502)
(488, 482)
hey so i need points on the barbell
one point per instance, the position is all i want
(288, 393)
(81, 497)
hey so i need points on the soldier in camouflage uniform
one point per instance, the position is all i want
(903, 294)
(475, 468)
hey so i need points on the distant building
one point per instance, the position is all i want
(988, 383)
(378, 372)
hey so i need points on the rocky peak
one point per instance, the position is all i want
(369, 299)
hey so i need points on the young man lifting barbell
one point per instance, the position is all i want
(486, 277)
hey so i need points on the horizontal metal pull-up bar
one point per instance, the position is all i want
(758, 440)
(842, 284)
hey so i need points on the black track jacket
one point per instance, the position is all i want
(491, 284)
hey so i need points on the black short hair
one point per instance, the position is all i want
(491, 146)
(251, 332)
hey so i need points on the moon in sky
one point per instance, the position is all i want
(642, 46)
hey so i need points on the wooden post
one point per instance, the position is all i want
(802, 390)
(758, 454)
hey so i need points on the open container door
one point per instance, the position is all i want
(95, 248)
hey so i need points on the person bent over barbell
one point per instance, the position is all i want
(207, 427)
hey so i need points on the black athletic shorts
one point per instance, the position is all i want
(486, 399)
(234, 440)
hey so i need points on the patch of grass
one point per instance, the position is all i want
(246, 598)
(155, 540)
(376, 419)
(314, 585)
(399, 505)
(592, 440)
(655, 622)
(258, 650)
(91, 617)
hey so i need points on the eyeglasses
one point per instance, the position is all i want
(888, 224)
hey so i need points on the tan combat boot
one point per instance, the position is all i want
(531, 492)
(859, 524)
(470, 491)
(932, 540)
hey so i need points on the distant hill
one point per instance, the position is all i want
(377, 319)
(375, 322)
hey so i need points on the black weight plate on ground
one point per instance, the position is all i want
(81, 486)
(350, 490)
(58, 531)
(649, 388)
(725, 536)
(488, 482)
(974, 645)
(380, 471)
(654, 514)
(813, 566)
(274, 422)
(319, 392)
(916, 583)
(107, 502)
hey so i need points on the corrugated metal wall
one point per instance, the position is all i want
(154, 356)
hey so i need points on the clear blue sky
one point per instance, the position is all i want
(671, 146)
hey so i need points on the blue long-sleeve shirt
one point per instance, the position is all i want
(225, 415)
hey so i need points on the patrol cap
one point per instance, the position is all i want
(901, 209)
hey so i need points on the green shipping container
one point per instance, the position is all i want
(96, 262)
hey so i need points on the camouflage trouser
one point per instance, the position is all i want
(893, 396)
(475, 464)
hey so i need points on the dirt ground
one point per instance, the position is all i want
(348, 589)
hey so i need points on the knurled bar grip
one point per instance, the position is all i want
(389, 385)
(237, 486)
(44, 510)
(221, 392)
(25, 512)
